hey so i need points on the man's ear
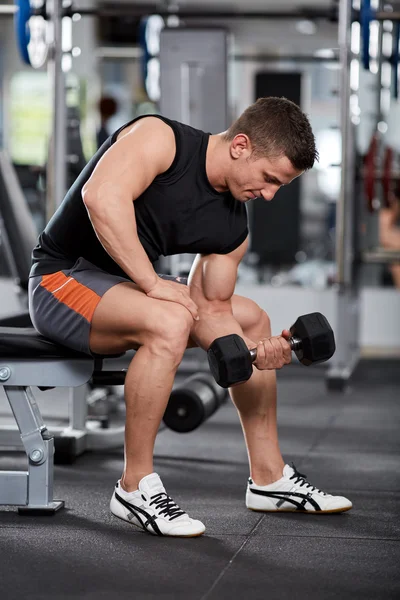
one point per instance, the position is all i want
(240, 145)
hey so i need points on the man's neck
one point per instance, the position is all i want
(216, 162)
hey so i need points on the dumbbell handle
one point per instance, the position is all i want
(295, 344)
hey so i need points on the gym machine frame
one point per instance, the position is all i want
(347, 298)
(349, 257)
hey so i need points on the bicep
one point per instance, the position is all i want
(213, 277)
(131, 164)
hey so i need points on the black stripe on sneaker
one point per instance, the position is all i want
(287, 497)
(137, 511)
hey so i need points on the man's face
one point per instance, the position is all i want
(259, 178)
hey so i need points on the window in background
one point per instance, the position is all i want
(328, 167)
(30, 117)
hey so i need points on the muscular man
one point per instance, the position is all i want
(158, 187)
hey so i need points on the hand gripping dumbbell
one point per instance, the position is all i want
(231, 362)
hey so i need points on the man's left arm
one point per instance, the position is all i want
(212, 283)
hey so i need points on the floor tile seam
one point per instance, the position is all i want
(335, 537)
(322, 433)
(86, 532)
(231, 561)
(247, 536)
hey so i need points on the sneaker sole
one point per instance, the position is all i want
(308, 512)
(193, 535)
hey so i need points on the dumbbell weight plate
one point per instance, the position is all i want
(193, 402)
(317, 339)
(31, 33)
(229, 360)
(366, 16)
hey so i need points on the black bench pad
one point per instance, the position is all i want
(26, 342)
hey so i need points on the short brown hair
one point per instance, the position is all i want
(277, 127)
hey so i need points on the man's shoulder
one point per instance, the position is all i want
(156, 122)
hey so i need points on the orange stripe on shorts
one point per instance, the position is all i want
(72, 293)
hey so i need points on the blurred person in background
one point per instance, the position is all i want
(389, 232)
(107, 108)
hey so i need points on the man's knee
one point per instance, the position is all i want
(265, 323)
(172, 329)
(261, 322)
(254, 319)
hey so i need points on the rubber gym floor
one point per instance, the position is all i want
(346, 443)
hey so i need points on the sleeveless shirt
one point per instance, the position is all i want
(180, 212)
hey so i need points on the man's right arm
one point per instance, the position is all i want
(125, 171)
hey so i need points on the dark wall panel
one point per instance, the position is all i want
(275, 226)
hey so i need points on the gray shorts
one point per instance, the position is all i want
(62, 304)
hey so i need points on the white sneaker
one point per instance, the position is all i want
(293, 493)
(153, 510)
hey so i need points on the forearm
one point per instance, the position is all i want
(115, 225)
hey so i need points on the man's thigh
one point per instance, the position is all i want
(122, 319)
(125, 317)
(62, 303)
(126, 305)
(92, 311)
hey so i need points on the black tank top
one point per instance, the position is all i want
(180, 212)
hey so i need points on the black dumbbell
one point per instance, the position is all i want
(231, 362)
(192, 402)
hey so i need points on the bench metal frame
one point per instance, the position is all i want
(32, 490)
(81, 436)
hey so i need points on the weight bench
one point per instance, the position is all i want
(28, 359)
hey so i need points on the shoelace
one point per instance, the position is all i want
(302, 480)
(168, 507)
